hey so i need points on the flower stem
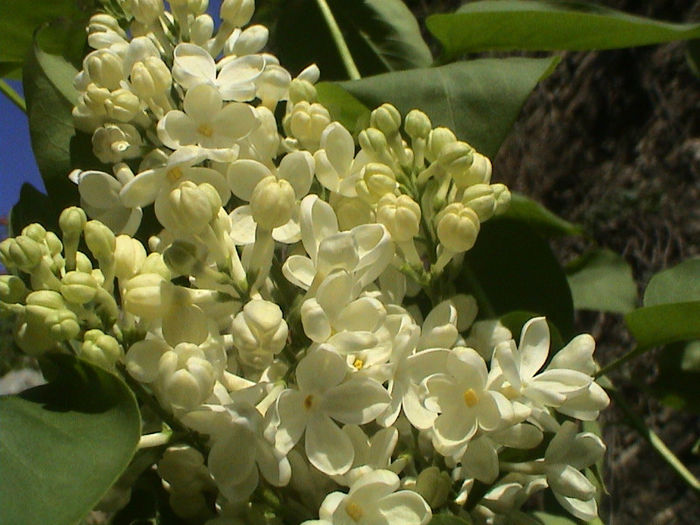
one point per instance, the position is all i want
(15, 98)
(345, 56)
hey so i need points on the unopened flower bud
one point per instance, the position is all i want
(373, 142)
(47, 307)
(72, 221)
(377, 180)
(301, 90)
(21, 252)
(202, 30)
(479, 172)
(480, 198)
(400, 215)
(417, 124)
(237, 12)
(32, 336)
(105, 68)
(150, 77)
(457, 227)
(251, 40)
(101, 349)
(100, 240)
(101, 22)
(259, 332)
(35, 232)
(502, 195)
(154, 263)
(272, 202)
(141, 295)
(272, 85)
(129, 256)
(185, 378)
(146, 12)
(188, 208)
(122, 105)
(12, 289)
(438, 138)
(306, 123)
(434, 485)
(78, 287)
(387, 119)
(456, 158)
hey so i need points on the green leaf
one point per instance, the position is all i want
(678, 380)
(382, 35)
(343, 107)
(512, 268)
(479, 99)
(20, 19)
(57, 146)
(602, 280)
(64, 444)
(32, 206)
(539, 218)
(548, 25)
(664, 323)
(678, 284)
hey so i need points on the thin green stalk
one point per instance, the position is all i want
(15, 97)
(337, 35)
(620, 361)
(655, 441)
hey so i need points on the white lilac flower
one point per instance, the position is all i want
(206, 121)
(324, 395)
(465, 404)
(337, 168)
(374, 500)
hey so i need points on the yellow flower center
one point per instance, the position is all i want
(206, 130)
(470, 397)
(174, 174)
(353, 510)
(309, 402)
(510, 392)
(358, 363)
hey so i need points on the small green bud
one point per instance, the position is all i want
(79, 287)
(480, 198)
(502, 195)
(456, 158)
(53, 243)
(373, 142)
(438, 138)
(387, 119)
(35, 232)
(21, 252)
(101, 349)
(12, 289)
(417, 124)
(100, 240)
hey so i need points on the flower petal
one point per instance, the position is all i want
(534, 346)
(328, 448)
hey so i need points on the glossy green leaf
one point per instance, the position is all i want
(382, 35)
(343, 107)
(677, 383)
(539, 218)
(512, 268)
(20, 19)
(63, 444)
(479, 99)
(548, 25)
(58, 147)
(664, 323)
(678, 284)
(602, 280)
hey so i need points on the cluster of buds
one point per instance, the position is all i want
(276, 312)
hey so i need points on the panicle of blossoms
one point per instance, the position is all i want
(275, 311)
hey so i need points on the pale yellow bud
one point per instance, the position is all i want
(306, 123)
(188, 208)
(259, 332)
(146, 11)
(438, 138)
(272, 202)
(72, 221)
(434, 485)
(377, 180)
(237, 12)
(100, 240)
(502, 195)
(141, 295)
(456, 158)
(129, 256)
(478, 173)
(101, 349)
(202, 30)
(79, 287)
(122, 105)
(480, 198)
(150, 77)
(113, 143)
(417, 124)
(401, 216)
(457, 227)
(373, 142)
(105, 68)
(21, 252)
(387, 119)
(301, 90)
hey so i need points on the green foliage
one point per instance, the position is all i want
(20, 19)
(602, 280)
(382, 35)
(63, 444)
(448, 519)
(539, 218)
(678, 380)
(678, 284)
(479, 100)
(548, 25)
(512, 268)
(344, 107)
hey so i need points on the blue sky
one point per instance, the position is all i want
(17, 164)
